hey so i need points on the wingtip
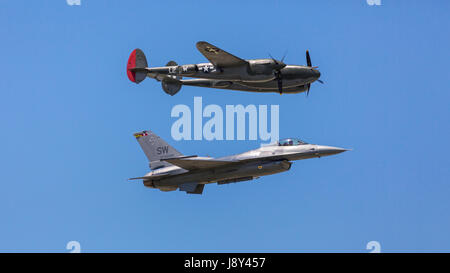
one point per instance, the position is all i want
(200, 45)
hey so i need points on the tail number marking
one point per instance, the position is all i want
(162, 150)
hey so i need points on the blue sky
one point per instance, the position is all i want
(68, 113)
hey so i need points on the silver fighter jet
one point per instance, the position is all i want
(171, 170)
(226, 71)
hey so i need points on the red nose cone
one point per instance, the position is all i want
(131, 64)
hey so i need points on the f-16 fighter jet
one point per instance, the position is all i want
(171, 170)
(226, 71)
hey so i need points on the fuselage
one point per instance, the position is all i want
(226, 71)
(256, 74)
(263, 161)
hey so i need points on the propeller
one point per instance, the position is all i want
(308, 59)
(279, 80)
(309, 64)
(277, 71)
(279, 65)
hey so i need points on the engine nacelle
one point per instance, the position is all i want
(262, 66)
(170, 85)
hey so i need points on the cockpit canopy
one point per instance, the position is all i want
(291, 142)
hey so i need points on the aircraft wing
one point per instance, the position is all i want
(217, 56)
(148, 177)
(189, 163)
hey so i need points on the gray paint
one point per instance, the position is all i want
(172, 170)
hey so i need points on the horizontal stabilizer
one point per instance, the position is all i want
(179, 157)
(149, 177)
(137, 178)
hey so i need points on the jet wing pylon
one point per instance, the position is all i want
(192, 188)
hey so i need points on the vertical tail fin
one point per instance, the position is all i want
(155, 148)
(137, 63)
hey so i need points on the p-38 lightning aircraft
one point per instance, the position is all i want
(226, 71)
(171, 170)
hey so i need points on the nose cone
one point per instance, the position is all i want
(316, 74)
(329, 150)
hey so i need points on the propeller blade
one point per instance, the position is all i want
(308, 58)
(284, 56)
(307, 91)
(270, 55)
(279, 81)
(320, 81)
